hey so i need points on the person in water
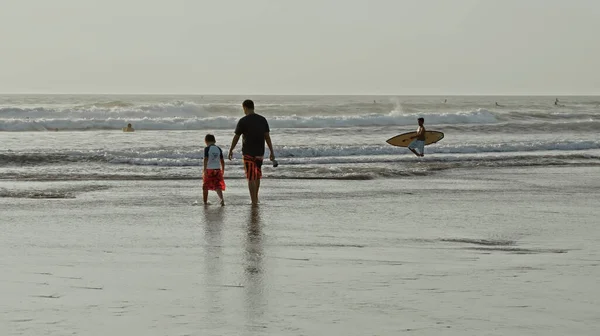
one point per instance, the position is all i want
(214, 168)
(556, 101)
(255, 131)
(419, 140)
(128, 128)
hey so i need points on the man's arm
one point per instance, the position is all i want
(270, 144)
(234, 142)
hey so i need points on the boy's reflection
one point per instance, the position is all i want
(213, 254)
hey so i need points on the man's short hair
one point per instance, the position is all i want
(249, 104)
(210, 138)
(421, 119)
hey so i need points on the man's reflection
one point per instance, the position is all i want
(254, 269)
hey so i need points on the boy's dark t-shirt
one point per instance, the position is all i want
(253, 128)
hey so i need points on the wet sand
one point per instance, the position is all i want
(477, 252)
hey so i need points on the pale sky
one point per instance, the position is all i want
(398, 47)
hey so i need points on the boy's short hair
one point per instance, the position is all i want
(421, 119)
(249, 104)
(210, 138)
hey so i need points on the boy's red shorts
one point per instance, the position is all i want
(213, 180)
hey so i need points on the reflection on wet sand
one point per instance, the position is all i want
(213, 255)
(254, 271)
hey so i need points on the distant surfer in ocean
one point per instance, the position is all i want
(557, 103)
(498, 104)
(255, 131)
(129, 128)
(419, 140)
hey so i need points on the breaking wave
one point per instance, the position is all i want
(177, 156)
(229, 122)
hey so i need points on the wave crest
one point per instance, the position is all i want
(227, 122)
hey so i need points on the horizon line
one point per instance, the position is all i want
(302, 94)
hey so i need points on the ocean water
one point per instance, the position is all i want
(60, 137)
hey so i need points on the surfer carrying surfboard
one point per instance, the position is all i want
(419, 140)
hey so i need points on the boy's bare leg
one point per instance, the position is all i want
(205, 195)
(220, 194)
(414, 152)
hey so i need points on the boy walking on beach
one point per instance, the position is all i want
(419, 140)
(214, 168)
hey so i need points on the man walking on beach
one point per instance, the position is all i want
(255, 131)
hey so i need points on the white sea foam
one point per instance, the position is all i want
(299, 155)
(225, 122)
(342, 154)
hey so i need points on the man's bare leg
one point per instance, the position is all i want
(250, 190)
(253, 193)
(257, 188)
(414, 152)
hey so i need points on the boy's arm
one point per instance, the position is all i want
(270, 144)
(205, 160)
(222, 162)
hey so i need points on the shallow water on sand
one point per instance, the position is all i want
(478, 252)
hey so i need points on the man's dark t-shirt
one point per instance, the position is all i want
(253, 128)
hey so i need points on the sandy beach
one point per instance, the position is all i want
(477, 252)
